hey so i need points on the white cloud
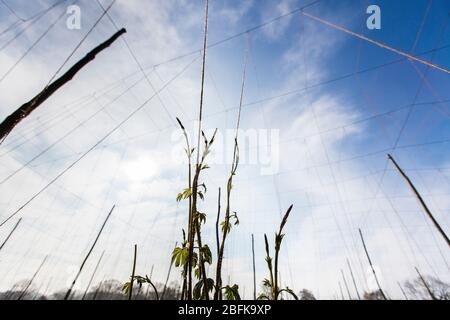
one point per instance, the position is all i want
(275, 30)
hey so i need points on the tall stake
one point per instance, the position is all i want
(234, 166)
(218, 291)
(88, 254)
(32, 279)
(340, 289)
(422, 202)
(346, 286)
(433, 297)
(353, 279)
(217, 223)
(403, 291)
(9, 235)
(371, 266)
(148, 287)
(26, 109)
(93, 275)
(254, 267)
(133, 272)
(192, 223)
(167, 279)
(200, 116)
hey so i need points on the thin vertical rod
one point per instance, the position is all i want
(340, 289)
(9, 235)
(353, 279)
(32, 279)
(371, 265)
(254, 267)
(346, 285)
(421, 201)
(148, 287)
(403, 291)
(167, 279)
(433, 297)
(88, 254)
(133, 272)
(93, 274)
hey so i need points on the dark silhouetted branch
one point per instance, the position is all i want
(26, 109)
(422, 202)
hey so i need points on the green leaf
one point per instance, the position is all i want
(232, 293)
(226, 226)
(213, 137)
(126, 288)
(180, 256)
(289, 291)
(278, 240)
(202, 186)
(266, 242)
(200, 288)
(286, 216)
(181, 124)
(263, 296)
(201, 217)
(197, 273)
(267, 283)
(194, 259)
(236, 219)
(206, 254)
(185, 194)
(204, 138)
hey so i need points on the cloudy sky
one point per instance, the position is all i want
(321, 110)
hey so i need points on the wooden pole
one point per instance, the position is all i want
(167, 279)
(430, 292)
(9, 235)
(346, 285)
(26, 109)
(217, 224)
(371, 266)
(340, 289)
(353, 279)
(130, 292)
(88, 254)
(92, 276)
(195, 226)
(403, 291)
(421, 201)
(254, 267)
(217, 295)
(32, 279)
(148, 287)
(98, 289)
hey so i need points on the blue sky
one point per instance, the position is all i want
(334, 134)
